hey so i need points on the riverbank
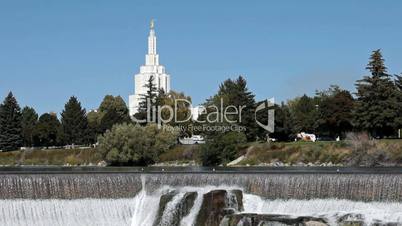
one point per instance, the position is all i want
(17, 170)
(54, 157)
(282, 154)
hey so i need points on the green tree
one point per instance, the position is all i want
(233, 93)
(149, 101)
(129, 144)
(29, 120)
(10, 124)
(376, 105)
(181, 115)
(112, 110)
(283, 124)
(74, 122)
(398, 83)
(304, 114)
(335, 112)
(93, 126)
(48, 131)
(222, 149)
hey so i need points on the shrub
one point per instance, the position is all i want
(395, 151)
(129, 144)
(222, 149)
(180, 153)
(364, 151)
(72, 160)
(210, 155)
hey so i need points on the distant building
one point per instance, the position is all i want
(52, 113)
(151, 68)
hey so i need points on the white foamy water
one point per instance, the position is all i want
(188, 220)
(371, 211)
(143, 209)
(56, 212)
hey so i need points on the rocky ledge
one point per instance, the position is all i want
(250, 219)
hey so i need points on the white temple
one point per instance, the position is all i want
(151, 68)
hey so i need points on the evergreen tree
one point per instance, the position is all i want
(29, 120)
(48, 131)
(10, 124)
(398, 83)
(74, 122)
(148, 101)
(376, 109)
(241, 96)
(235, 93)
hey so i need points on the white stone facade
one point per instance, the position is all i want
(151, 68)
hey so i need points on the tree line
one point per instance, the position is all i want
(76, 126)
(375, 107)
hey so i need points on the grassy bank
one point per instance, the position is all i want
(296, 152)
(348, 153)
(361, 152)
(50, 157)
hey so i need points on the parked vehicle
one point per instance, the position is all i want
(195, 139)
(306, 137)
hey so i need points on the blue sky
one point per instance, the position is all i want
(50, 50)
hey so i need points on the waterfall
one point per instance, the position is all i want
(69, 186)
(358, 187)
(331, 208)
(58, 212)
(145, 215)
(142, 209)
(145, 207)
(171, 210)
(178, 199)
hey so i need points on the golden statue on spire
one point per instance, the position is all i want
(152, 24)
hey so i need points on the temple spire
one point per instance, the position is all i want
(152, 24)
(151, 67)
(152, 56)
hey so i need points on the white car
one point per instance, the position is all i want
(195, 139)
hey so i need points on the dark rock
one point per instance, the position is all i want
(181, 209)
(185, 205)
(163, 201)
(229, 211)
(216, 204)
(238, 199)
(249, 219)
(386, 224)
(351, 220)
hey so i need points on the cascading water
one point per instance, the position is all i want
(144, 207)
(179, 199)
(332, 209)
(172, 210)
(58, 212)
(359, 187)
